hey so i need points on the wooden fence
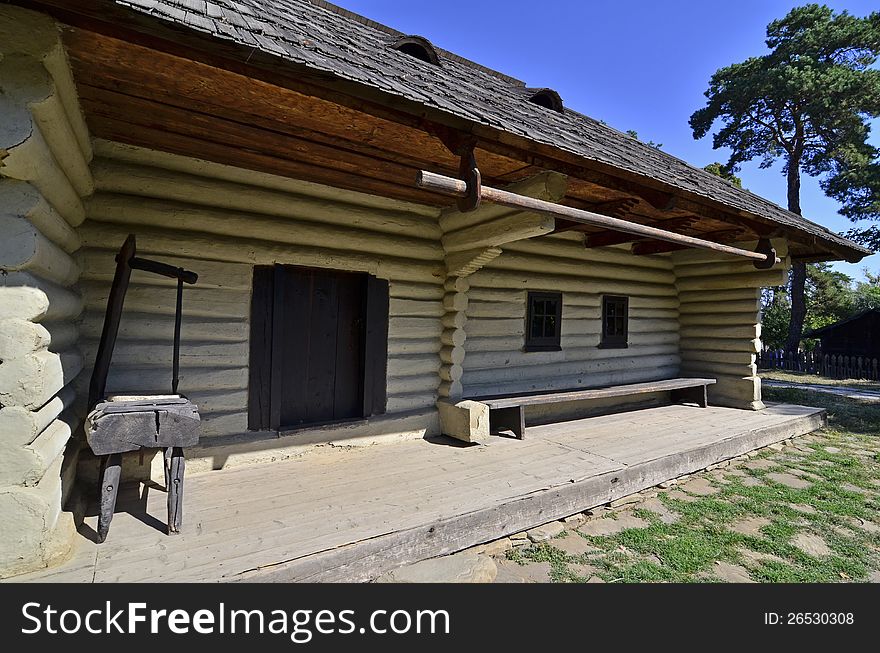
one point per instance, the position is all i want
(814, 362)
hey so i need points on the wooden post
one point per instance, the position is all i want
(175, 466)
(111, 469)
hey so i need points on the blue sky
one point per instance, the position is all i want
(634, 64)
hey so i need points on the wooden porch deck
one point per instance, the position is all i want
(341, 515)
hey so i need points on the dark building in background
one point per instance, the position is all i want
(858, 335)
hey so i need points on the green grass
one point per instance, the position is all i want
(815, 379)
(846, 487)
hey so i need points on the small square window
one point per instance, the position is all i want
(615, 318)
(543, 321)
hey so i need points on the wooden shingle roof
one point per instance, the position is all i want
(336, 42)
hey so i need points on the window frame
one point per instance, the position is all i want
(616, 340)
(543, 343)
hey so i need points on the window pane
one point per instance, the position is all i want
(536, 329)
(550, 326)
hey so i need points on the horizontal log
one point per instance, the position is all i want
(147, 326)
(712, 368)
(415, 308)
(402, 366)
(570, 246)
(405, 347)
(131, 380)
(400, 289)
(32, 161)
(730, 357)
(716, 319)
(745, 332)
(719, 296)
(331, 206)
(158, 300)
(487, 360)
(19, 337)
(580, 269)
(100, 265)
(25, 249)
(513, 343)
(723, 344)
(569, 368)
(749, 306)
(53, 121)
(412, 401)
(192, 218)
(123, 154)
(238, 250)
(414, 328)
(19, 198)
(219, 401)
(220, 424)
(146, 354)
(505, 279)
(27, 465)
(730, 282)
(33, 379)
(411, 384)
(19, 426)
(28, 297)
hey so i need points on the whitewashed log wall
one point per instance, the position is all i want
(494, 361)
(720, 310)
(44, 174)
(219, 222)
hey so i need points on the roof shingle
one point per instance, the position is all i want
(322, 36)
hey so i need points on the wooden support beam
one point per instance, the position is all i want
(611, 237)
(498, 231)
(458, 188)
(462, 264)
(659, 247)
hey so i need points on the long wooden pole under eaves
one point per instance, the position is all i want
(458, 188)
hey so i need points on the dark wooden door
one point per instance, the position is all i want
(326, 336)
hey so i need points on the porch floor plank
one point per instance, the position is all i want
(340, 514)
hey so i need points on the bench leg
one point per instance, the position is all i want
(508, 419)
(174, 469)
(111, 469)
(698, 395)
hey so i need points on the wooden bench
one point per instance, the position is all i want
(506, 412)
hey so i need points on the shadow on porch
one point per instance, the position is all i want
(350, 514)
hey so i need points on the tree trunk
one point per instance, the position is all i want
(798, 270)
(798, 307)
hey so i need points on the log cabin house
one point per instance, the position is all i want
(273, 147)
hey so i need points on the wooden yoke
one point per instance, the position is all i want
(120, 424)
(126, 261)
